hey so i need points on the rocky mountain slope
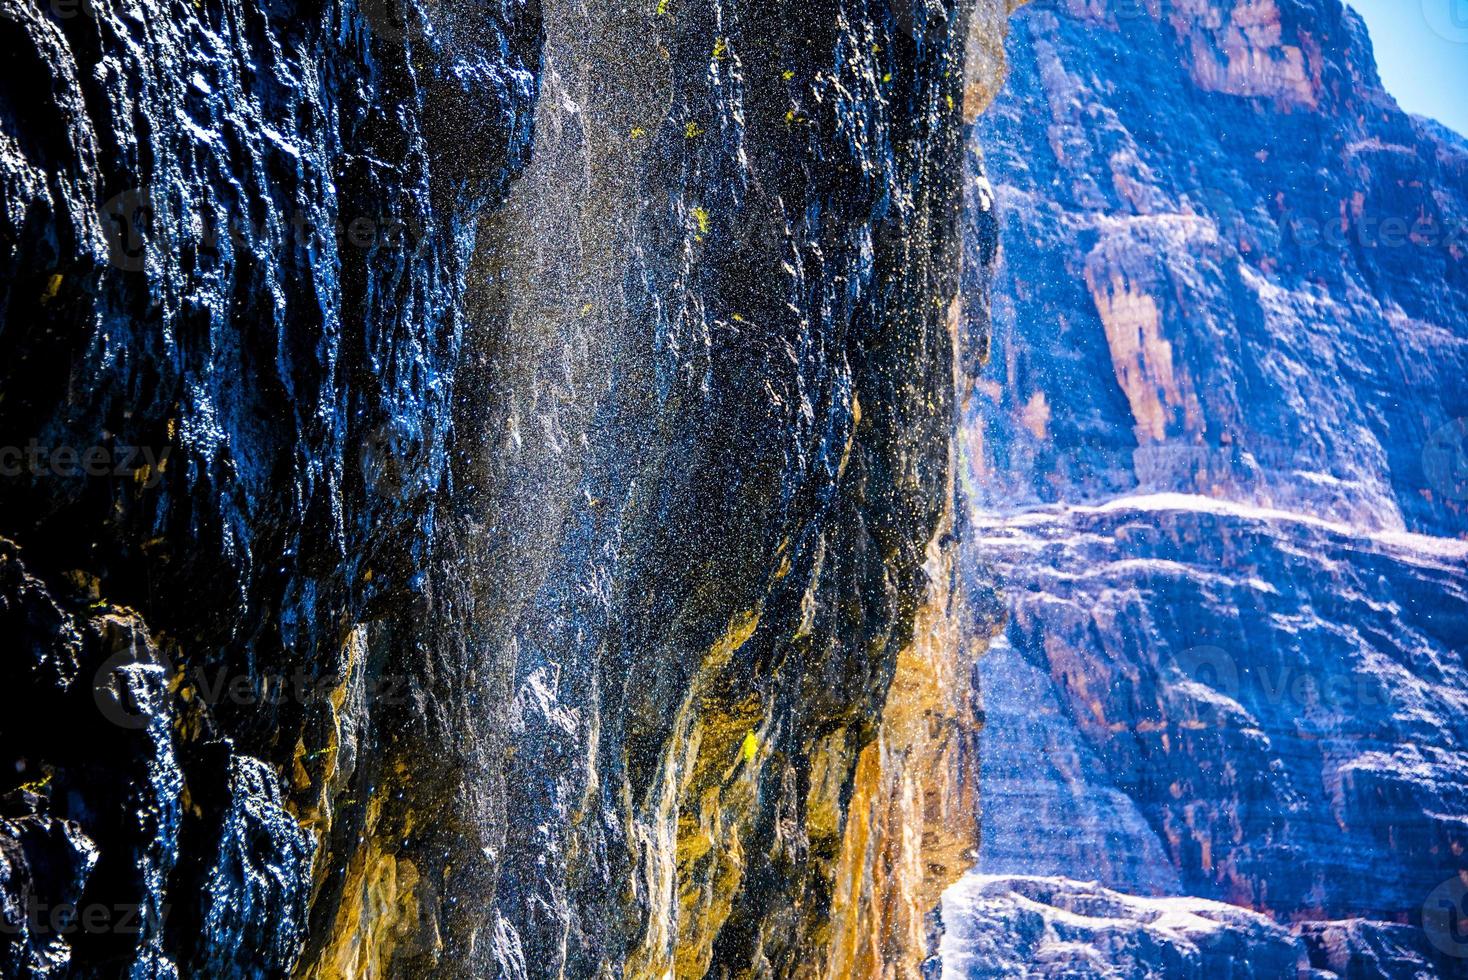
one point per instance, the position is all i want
(478, 491)
(1218, 460)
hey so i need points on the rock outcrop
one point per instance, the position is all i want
(1203, 291)
(1006, 927)
(1219, 471)
(471, 478)
(1017, 926)
(1196, 697)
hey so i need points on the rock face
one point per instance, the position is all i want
(1027, 926)
(1239, 704)
(1052, 927)
(1248, 291)
(1219, 468)
(471, 477)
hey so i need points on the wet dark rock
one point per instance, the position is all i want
(46, 642)
(252, 912)
(44, 864)
(470, 473)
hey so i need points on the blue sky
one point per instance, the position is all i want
(1422, 51)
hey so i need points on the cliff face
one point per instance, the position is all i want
(472, 475)
(1218, 457)
(233, 241)
(1251, 264)
(1226, 702)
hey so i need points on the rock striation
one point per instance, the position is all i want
(1218, 468)
(1238, 704)
(472, 476)
(1027, 926)
(1043, 927)
(1250, 295)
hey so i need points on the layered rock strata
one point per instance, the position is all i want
(1218, 467)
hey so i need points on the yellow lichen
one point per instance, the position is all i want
(701, 219)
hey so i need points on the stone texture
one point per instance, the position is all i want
(1273, 706)
(1251, 296)
(1005, 926)
(472, 475)
(1052, 927)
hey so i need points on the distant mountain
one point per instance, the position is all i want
(1230, 265)
(1218, 462)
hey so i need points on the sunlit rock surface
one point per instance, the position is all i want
(1218, 461)
(471, 477)
(1029, 926)
(1004, 927)
(1236, 295)
(1202, 698)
